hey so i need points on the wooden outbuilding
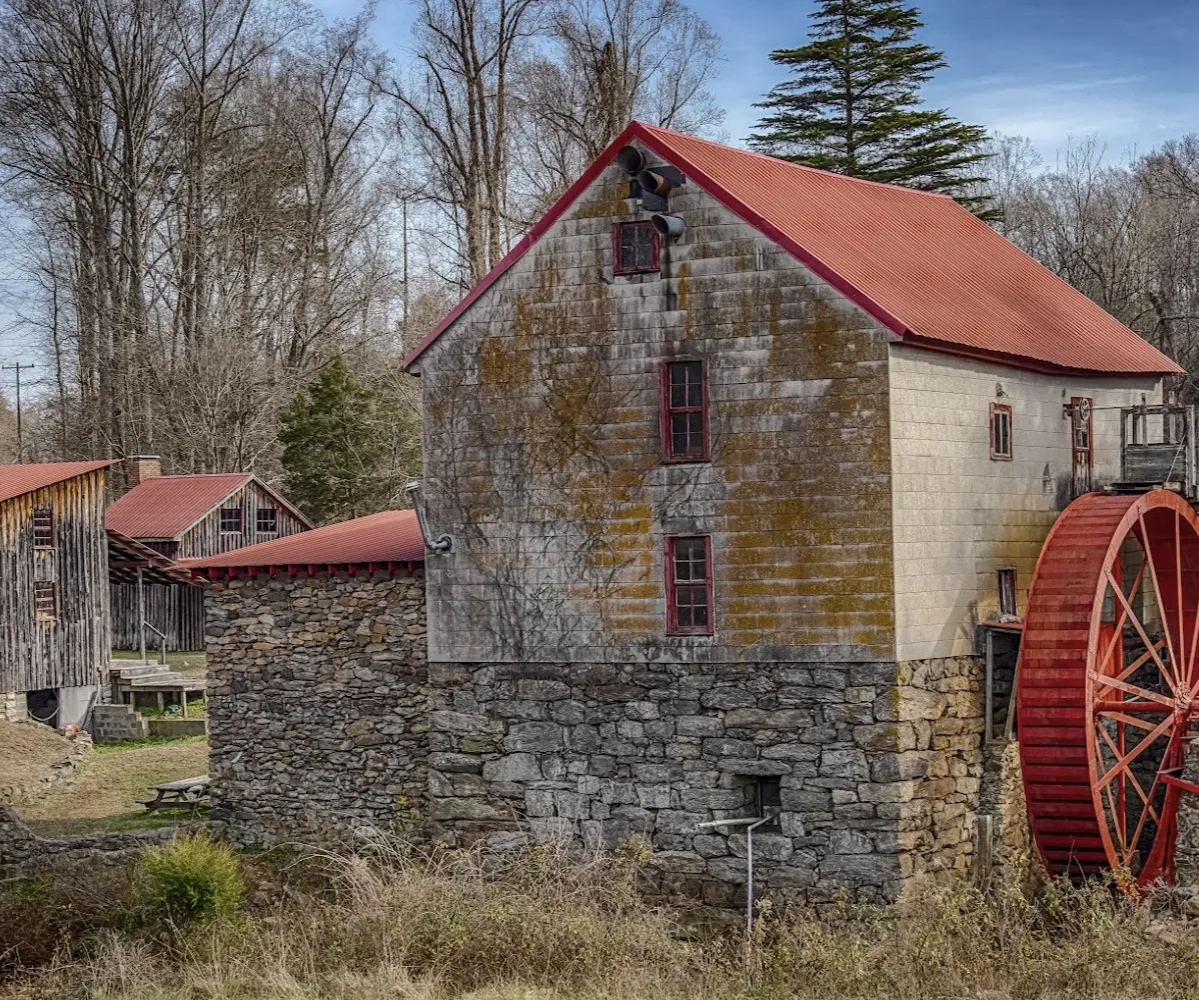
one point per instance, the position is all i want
(54, 621)
(183, 517)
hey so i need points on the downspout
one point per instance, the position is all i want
(441, 544)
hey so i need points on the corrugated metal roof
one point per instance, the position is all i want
(391, 536)
(166, 506)
(918, 262)
(18, 479)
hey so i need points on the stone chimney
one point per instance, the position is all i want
(139, 468)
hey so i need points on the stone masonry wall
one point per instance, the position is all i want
(939, 736)
(23, 853)
(12, 706)
(879, 780)
(317, 705)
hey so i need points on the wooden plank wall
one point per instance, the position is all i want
(176, 609)
(72, 651)
(207, 539)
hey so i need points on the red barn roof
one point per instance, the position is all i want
(919, 263)
(18, 479)
(166, 506)
(390, 537)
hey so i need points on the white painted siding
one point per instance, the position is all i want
(960, 516)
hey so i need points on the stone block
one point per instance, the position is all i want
(681, 862)
(512, 767)
(699, 725)
(753, 718)
(534, 737)
(849, 764)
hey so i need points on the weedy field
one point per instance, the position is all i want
(195, 921)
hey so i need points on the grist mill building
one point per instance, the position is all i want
(738, 460)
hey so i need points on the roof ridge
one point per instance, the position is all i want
(902, 188)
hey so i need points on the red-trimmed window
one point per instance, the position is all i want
(1001, 432)
(689, 585)
(684, 408)
(230, 520)
(45, 601)
(43, 528)
(634, 248)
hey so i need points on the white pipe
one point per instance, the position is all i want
(750, 823)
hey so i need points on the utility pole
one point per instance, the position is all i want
(17, 368)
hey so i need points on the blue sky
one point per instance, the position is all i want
(1046, 69)
(1051, 70)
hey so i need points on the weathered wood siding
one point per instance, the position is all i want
(959, 515)
(541, 440)
(176, 609)
(72, 651)
(207, 539)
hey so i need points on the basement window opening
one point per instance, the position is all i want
(231, 521)
(634, 248)
(43, 528)
(684, 392)
(1001, 432)
(267, 521)
(45, 601)
(689, 585)
(1007, 593)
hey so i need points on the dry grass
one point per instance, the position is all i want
(109, 785)
(542, 928)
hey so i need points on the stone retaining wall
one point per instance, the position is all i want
(62, 770)
(317, 705)
(23, 853)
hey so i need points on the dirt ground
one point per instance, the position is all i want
(111, 785)
(27, 751)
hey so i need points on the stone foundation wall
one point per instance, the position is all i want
(591, 754)
(12, 706)
(316, 705)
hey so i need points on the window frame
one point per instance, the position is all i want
(996, 454)
(241, 521)
(274, 512)
(1005, 573)
(45, 586)
(666, 411)
(46, 513)
(672, 616)
(655, 243)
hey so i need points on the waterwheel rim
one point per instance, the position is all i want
(1107, 683)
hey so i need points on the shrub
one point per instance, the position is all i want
(191, 879)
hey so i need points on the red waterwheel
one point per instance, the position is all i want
(1107, 684)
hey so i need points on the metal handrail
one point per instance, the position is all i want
(162, 653)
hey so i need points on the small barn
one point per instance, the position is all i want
(317, 681)
(54, 624)
(184, 517)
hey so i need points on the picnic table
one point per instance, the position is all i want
(181, 794)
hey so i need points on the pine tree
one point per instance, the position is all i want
(336, 447)
(853, 104)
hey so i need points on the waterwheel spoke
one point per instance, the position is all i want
(1124, 763)
(1182, 653)
(1149, 644)
(1136, 836)
(1114, 682)
(1118, 628)
(1129, 720)
(1136, 664)
(1119, 814)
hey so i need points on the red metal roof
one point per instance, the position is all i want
(18, 479)
(391, 536)
(919, 263)
(166, 506)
